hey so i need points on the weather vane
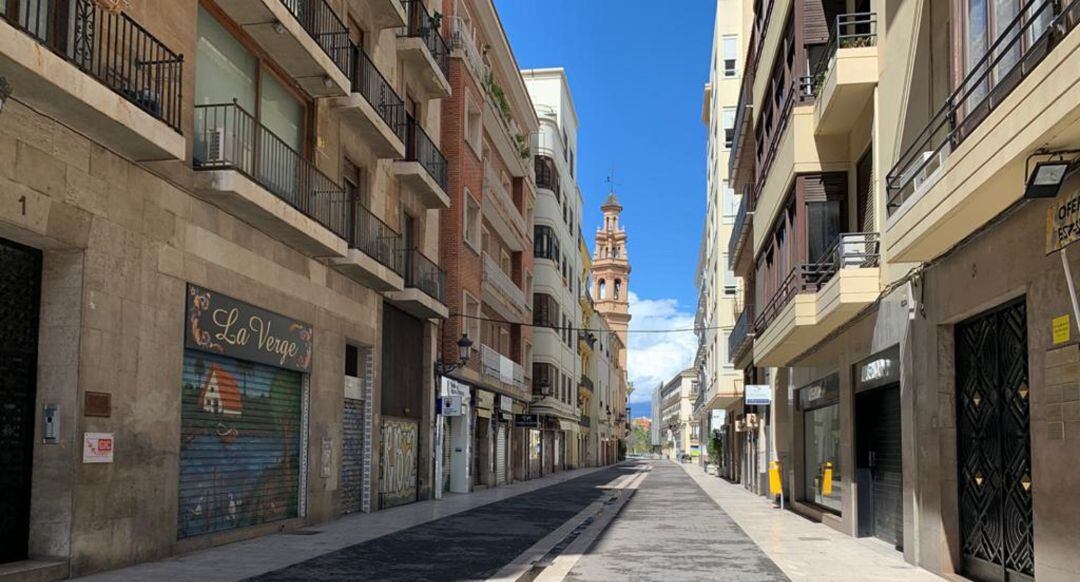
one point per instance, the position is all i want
(610, 180)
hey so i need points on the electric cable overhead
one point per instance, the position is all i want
(588, 329)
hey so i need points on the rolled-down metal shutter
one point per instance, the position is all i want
(240, 431)
(352, 455)
(500, 455)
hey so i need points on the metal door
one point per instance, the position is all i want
(879, 453)
(352, 456)
(399, 462)
(240, 425)
(500, 455)
(993, 445)
(20, 292)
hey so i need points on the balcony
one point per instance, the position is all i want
(501, 292)
(305, 37)
(585, 421)
(501, 368)
(424, 52)
(1020, 97)
(423, 169)
(815, 299)
(547, 175)
(846, 76)
(511, 143)
(424, 295)
(381, 14)
(586, 383)
(502, 213)
(739, 258)
(463, 47)
(373, 109)
(743, 143)
(741, 339)
(373, 257)
(113, 81)
(250, 172)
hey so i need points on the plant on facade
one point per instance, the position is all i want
(436, 20)
(497, 93)
(715, 447)
(857, 42)
(523, 146)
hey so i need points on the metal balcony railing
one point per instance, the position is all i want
(501, 367)
(1020, 47)
(585, 421)
(375, 238)
(586, 382)
(494, 275)
(461, 39)
(228, 137)
(377, 91)
(420, 24)
(422, 273)
(742, 335)
(420, 148)
(851, 251)
(854, 30)
(110, 47)
(322, 23)
(739, 230)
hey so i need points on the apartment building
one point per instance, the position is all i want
(558, 281)
(218, 263)
(908, 312)
(680, 431)
(486, 242)
(719, 303)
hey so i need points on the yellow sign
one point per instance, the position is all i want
(774, 478)
(1063, 223)
(1061, 329)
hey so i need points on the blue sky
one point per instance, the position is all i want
(637, 76)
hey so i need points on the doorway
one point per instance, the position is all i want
(20, 299)
(879, 464)
(993, 445)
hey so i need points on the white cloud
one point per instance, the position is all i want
(654, 358)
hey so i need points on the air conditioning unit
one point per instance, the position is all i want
(224, 148)
(929, 162)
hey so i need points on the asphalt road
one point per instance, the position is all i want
(668, 530)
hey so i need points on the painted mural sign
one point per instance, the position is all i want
(219, 324)
(398, 470)
(239, 444)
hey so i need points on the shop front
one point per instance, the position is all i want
(879, 472)
(243, 415)
(484, 429)
(454, 432)
(504, 422)
(819, 407)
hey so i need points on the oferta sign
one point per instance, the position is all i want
(1063, 222)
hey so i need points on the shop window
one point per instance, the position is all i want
(819, 404)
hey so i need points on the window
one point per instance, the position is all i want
(545, 243)
(472, 221)
(730, 282)
(819, 404)
(731, 203)
(729, 126)
(471, 323)
(353, 177)
(473, 121)
(730, 47)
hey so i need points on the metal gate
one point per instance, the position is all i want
(500, 455)
(879, 461)
(398, 462)
(993, 445)
(20, 293)
(352, 456)
(240, 428)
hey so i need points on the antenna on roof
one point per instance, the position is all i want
(610, 180)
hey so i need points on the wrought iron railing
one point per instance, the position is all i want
(739, 230)
(420, 24)
(741, 335)
(773, 137)
(547, 174)
(322, 23)
(851, 251)
(420, 148)
(228, 137)
(377, 91)
(1019, 48)
(375, 238)
(854, 30)
(422, 273)
(109, 46)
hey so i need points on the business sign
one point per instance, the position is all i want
(718, 419)
(97, 447)
(220, 324)
(450, 405)
(758, 395)
(527, 421)
(1063, 222)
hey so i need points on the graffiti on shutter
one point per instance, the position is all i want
(352, 456)
(398, 475)
(240, 444)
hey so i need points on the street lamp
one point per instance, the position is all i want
(464, 345)
(1045, 180)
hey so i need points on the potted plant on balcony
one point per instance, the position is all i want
(114, 6)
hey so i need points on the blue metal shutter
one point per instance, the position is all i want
(239, 444)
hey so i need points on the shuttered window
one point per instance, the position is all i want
(240, 444)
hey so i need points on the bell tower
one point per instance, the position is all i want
(611, 272)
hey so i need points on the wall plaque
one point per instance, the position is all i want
(220, 324)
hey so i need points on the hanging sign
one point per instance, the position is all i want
(527, 421)
(220, 324)
(718, 418)
(1063, 222)
(758, 395)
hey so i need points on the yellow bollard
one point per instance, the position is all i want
(826, 479)
(774, 478)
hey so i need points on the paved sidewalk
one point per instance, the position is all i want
(805, 550)
(272, 552)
